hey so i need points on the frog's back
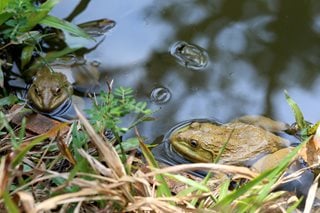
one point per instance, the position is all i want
(246, 143)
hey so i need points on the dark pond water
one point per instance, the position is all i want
(256, 50)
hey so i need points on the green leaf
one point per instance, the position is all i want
(297, 112)
(192, 183)
(1, 76)
(31, 36)
(49, 4)
(32, 19)
(3, 5)
(23, 150)
(64, 25)
(26, 55)
(51, 56)
(163, 188)
(4, 17)
(128, 145)
(9, 204)
(8, 100)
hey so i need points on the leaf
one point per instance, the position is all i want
(9, 100)
(4, 17)
(1, 76)
(3, 4)
(49, 4)
(9, 204)
(128, 145)
(55, 22)
(192, 183)
(50, 56)
(24, 148)
(26, 55)
(297, 112)
(163, 188)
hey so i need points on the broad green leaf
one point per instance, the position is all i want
(128, 145)
(4, 17)
(51, 56)
(3, 5)
(26, 55)
(297, 112)
(33, 18)
(8, 100)
(64, 25)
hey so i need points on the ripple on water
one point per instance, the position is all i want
(160, 95)
(189, 55)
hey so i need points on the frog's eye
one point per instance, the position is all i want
(37, 91)
(57, 90)
(193, 143)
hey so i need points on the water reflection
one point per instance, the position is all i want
(257, 49)
(160, 95)
(190, 56)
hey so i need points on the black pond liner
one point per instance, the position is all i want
(166, 154)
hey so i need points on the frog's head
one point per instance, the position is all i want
(193, 143)
(49, 90)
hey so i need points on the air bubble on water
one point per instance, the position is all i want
(160, 95)
(189, 55)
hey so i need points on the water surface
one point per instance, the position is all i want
(256, 49)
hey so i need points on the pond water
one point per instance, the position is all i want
(256, 50)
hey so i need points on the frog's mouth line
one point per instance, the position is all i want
(173, 150)
(58, 112)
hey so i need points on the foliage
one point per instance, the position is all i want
(111, 107)
(20, 29)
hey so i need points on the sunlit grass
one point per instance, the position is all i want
(103, 182)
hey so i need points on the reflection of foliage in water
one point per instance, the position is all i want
(279, 61)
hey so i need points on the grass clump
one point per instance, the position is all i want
(89, 174)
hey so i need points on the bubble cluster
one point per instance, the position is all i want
(189, 55)
(160, 95)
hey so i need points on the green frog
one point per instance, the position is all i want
(49, 90)
(240, 143)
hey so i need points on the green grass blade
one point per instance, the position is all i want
(49, 4)
(163, 189)
(23, 149)
(9, 204)
(199, 186)
(297, 112)
(227, 200)
(274, 175)
(64, 25)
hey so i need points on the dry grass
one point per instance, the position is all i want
(49, 183)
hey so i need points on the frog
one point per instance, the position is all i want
(49, 90)
(236, 143)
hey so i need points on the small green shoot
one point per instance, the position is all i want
(296, 111)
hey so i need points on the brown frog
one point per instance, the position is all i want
(239, 143)
(49, 90)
